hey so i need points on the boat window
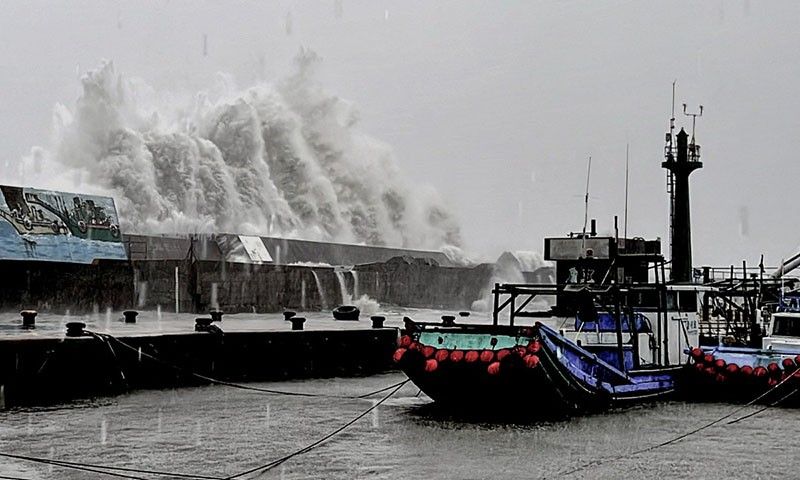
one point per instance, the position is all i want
(786, 326)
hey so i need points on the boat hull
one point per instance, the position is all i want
(539, 373)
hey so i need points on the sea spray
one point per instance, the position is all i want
(283, 159)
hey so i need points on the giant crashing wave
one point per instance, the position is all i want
(280, 159)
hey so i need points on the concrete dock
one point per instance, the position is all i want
(43, 365)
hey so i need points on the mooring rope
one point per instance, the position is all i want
(680, 437)
(268, 466)
(106, 469)
(238, 385)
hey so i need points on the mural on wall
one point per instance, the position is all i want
(57, 226)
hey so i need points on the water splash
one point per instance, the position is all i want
(322, 298)
(284, 158)
(345, 296)
(355, 283)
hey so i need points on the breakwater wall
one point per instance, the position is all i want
(38, 370)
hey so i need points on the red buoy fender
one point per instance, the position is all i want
(697, 354)
(746, 370)
(534, 346)
(503, 354)
(441, 355)
(487, 356)
(398, 354)
(531, 361)
(493, 368)
(404, 341)
(431, 365)
(456, 356)
(428, 351)
(471, 356)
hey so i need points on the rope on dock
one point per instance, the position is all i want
(238, 385)
(269, 466)
(686, 434)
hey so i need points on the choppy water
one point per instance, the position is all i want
(217, 430)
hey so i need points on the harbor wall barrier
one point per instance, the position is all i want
(34, 370)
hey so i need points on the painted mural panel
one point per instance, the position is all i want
(58, 226)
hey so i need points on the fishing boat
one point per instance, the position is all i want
(769, 372)
(618, 330)
(617, 334)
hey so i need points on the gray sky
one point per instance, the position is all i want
(496, 104)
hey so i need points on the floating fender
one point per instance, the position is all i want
(427, 351)
(398, 354)
(346, 312)
(404, 341)
(456, 356)
(471, 356)
(441, 355)
(503, 354)
(534, 346)
(431, 365)
(487, 356)
(493, 368)
(531, 361)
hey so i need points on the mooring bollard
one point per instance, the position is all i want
(216, 315)
(463, 314)
(448, 320)
(75, 329)
(377, 321)
(130, 316)
(288, 314)
(28, 318)
(297, 322)
(202, 324)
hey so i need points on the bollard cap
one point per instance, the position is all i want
(463, 314)
(202, 321)
(377, 321)
(288, 314)
(75, 329)
(297, 322)
(130, 316)
(216, 315)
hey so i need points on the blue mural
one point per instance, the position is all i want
(57, 226)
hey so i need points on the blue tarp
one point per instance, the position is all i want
(607, 323)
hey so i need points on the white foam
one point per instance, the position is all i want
(284, 159)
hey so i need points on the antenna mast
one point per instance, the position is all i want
(625, 223)
(586, 206)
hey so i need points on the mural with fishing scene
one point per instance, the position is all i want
(57, 226)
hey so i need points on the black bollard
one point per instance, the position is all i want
(202, 324)
(288, 314)
(377, 321)
(75, 329)
(463, 314)
(130, 316)
(448, 320)
(28, 318)
(297, 322)
(216, 315)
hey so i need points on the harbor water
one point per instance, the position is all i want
(220, 431)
